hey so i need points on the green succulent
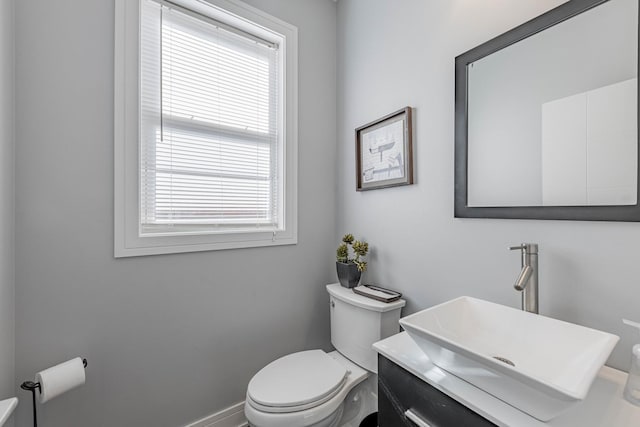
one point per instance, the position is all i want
(360, 249)
(342, 254)
(348, 238)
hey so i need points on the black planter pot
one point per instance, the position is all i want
(348, 274)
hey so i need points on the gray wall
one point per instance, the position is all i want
(169, 338)
(391, 56)
(6, 202)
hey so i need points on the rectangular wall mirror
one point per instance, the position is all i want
(547, 118)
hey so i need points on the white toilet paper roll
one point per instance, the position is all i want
(60, 379)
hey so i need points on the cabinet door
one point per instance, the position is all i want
(406, 400)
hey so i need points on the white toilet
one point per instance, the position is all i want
(317, 389)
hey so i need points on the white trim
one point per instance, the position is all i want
(6, 409)
(127, 239)
(232, 416)
(119, 124)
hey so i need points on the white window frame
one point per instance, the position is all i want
(128, 240)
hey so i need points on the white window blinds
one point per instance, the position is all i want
(210, 137)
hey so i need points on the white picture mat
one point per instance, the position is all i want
(383, 152)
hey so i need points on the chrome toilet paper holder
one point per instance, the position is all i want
(32, 386)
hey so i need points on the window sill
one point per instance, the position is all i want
(158, 245)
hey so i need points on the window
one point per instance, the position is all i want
(205, 127)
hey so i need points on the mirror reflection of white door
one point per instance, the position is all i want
(589, 147)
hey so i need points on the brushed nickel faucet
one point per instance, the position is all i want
(527, 281)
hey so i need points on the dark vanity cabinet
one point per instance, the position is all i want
(406, 400)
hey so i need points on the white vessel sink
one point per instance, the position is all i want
(554, 362)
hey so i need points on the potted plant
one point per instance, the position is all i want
(349, 267)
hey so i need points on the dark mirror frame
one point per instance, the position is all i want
(629, 213)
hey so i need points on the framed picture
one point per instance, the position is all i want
(384, 152)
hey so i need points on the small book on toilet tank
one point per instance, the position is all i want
(377, 293)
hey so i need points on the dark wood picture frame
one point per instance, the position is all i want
(568, 10)
(397, 163)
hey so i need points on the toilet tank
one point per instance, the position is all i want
(357, 322)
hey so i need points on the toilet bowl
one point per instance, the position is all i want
(317, 389)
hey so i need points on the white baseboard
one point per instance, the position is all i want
(233, 416)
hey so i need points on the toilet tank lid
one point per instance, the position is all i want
(347, 295)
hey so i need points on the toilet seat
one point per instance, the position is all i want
(297, 382)
(316, 415)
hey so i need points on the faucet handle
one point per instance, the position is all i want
(526, 248)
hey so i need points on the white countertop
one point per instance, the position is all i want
(6, 409)
(604, 406)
